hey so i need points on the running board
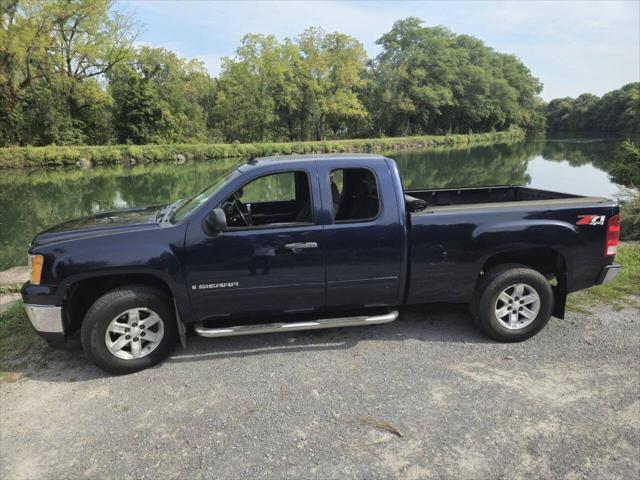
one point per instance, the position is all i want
(293, 327)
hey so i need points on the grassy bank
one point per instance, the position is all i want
(21, 349)
(16, 336)
(17, 157)
(624, 291)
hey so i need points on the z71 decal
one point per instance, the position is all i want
(591, 220)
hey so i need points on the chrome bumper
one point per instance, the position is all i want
(608, 274)
(45, 318)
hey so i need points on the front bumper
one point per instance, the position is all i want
(45, 318)
(608, 273)
(47, 321)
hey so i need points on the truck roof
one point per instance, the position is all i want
(314, 157)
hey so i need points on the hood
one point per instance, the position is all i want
(100, 224)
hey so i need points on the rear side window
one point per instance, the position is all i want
(354, 193)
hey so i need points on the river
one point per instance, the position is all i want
(31, 200)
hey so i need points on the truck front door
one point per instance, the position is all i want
(271, 258)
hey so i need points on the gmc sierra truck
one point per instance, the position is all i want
(307, 242)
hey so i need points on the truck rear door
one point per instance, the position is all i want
(364, 239)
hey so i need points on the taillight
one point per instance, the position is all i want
(613, 236)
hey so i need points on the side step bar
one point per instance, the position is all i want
(292, 327)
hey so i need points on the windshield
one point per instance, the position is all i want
(194, 202)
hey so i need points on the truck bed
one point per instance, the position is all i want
(460, 228)
(481, 195)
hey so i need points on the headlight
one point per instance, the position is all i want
(35, 265)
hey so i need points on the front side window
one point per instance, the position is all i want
(279, 187)
(354, 193)
(282, 198)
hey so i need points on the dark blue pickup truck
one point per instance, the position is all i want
(308, 242)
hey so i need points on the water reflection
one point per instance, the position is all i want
(263, 253)
(485, 165)
(33, 200)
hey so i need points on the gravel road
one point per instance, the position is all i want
(426, 396)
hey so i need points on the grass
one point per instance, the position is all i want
(18, 157)
(623, 292)
(16, 335)
(18, 343)
(10, 288)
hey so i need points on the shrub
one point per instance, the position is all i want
(630, 219)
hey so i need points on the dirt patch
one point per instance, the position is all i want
(15, 275)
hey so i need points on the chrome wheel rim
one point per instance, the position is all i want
(135, 333)
(517, 306)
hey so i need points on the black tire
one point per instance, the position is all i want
(492, 284)
(112, 304)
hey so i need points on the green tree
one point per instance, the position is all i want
(418, 62)
(331, 73)
(138, 113)
(171, 99)
(246, 103)
(55, 54)
(428, 79)
(186, 92)
(89, 39)
(271, 90)
(289, 94)
(616, 111)
(25, 38)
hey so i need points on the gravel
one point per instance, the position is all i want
(425, 396)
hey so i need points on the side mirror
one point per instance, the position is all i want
(216, 221)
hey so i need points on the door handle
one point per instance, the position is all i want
(297, 247)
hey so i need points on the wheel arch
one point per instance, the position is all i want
(82, 293)
(548, 261)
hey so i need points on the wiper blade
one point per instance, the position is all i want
(172, 208)
(161, 213)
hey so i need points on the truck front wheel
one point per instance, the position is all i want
(129, 329)
(512, 303)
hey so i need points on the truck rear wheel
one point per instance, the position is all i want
(129, 329)
(512, 303)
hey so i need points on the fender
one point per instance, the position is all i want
(516, 235)
(90, 263)
(494, 238)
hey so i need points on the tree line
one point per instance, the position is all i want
(615, 111)
(72, 74)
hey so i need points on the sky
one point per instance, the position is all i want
(573, 47)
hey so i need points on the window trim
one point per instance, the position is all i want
(271, 226)
(358, 220)
(281, 224)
